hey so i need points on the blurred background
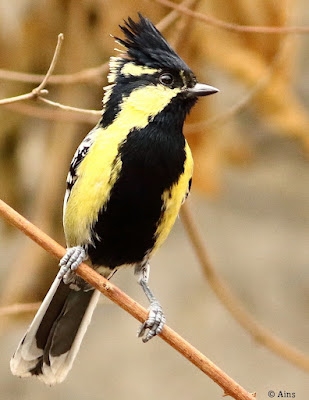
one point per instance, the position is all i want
(250, 194)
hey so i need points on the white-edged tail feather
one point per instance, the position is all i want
(28, 355)
(60, 366)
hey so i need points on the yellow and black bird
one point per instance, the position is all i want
(127, 181)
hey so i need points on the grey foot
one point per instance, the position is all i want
(70, 261)
(154, 324)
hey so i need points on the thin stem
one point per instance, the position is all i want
(233, 304)
(39, 90)
(94, 74)
(69, 108)
(234, 27)
(52, 65)
(26, 96)
(52, 114)
(171, 16)
(229, 386)
(19, 308)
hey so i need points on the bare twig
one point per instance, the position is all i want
(182, 28)
(121, 299)
(233, 304)
(172, 16)
(94, 75)
(39, 90)
(234, 27)
(26, 96)
(25, 308)
(52, 114)
(51, 68)
(69, 108)
(163, 24)
(89, 75)
(19, 308)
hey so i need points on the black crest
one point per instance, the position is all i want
(146, 46)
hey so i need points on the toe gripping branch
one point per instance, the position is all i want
(156, 318)
(70, 261)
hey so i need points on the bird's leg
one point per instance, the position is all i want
(70, 261)
(156, 318)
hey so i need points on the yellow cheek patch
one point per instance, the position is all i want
(131, 69)
(146, 102)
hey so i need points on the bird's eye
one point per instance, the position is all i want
(166, 79)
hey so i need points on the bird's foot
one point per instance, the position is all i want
(69, 263)
(154, 323)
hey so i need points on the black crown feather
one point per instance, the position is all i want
(146, 46)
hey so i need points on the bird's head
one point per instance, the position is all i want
(149, 73)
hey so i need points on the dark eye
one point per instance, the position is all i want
(166, 79)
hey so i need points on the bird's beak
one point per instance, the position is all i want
(200, 89)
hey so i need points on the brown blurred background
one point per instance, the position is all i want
(250, 195)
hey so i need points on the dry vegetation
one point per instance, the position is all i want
(256, 69)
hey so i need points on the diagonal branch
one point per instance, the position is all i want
(233, 304)
(53, 114)
(72, 109)
(234, 27)
(166, 21)
(111, 291)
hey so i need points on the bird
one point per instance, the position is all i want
(126, 183)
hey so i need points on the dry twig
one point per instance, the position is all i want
(19, 308)
(234, 27)
(172, 16)
(52, 114)
(26, 308)
(229, 386)
(39, 90)
(233, 304)
(89, 75)
(84, 111)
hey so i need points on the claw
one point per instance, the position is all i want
(70, 261)
(154, 323)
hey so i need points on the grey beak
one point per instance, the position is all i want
(200, 89)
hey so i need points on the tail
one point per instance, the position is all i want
(52, 341)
